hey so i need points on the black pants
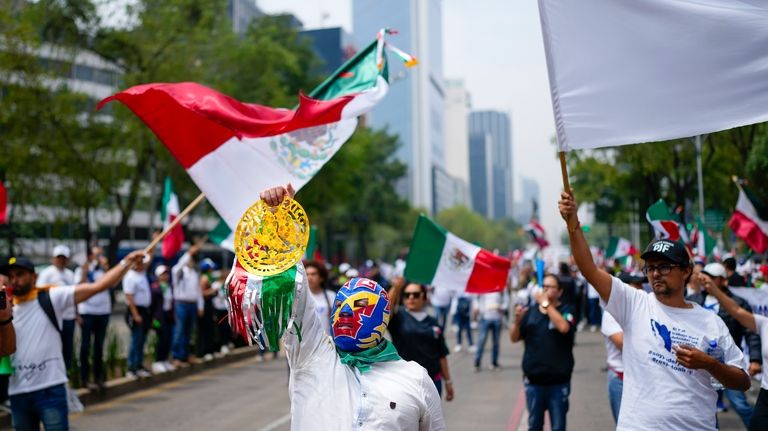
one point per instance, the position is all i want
(205, 330)
(67, 341)
(759, 420)
(94, 327)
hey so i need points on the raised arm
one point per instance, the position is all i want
(730, 306)
(514, 332)
(111, 278)
(598, 278)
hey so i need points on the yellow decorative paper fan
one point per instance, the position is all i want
(269, 240)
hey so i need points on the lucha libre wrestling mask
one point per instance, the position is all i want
(360, 315)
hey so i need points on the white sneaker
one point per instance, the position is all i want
(143, 374)
(169, 367)
(208, 357)
(472, 348)
(159, 368)
(131, 375)
(457, 348)
(224, 349)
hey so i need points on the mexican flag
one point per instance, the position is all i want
(223, 236)
(750, 220)
(619, 247)
(442, 259)
(169, 212)
(664, 223)
(233, 150)
(705, 244)
(537, 233)
(312, 252)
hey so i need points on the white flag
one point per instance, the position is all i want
(624, 72)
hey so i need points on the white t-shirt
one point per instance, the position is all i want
(38, 362)
(52, 276)
(491, 306)
(100, 303)
(762, 330)
(608, 327)
(658, 392)
(321, 307)
(440, 297)
(220, 300)
(135, 283)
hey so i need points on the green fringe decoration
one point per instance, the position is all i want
(276, 305)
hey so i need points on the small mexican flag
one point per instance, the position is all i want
(750, 220)
(619, 247)
(170, 210)
(442, 259)
(664, 222)
(223, 236)
(705, 244)
(537, 233)
(233, 150)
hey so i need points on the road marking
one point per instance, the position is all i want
(160, 388)
(517, 412)
(276, 423)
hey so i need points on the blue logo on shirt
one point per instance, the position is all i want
(662, 331)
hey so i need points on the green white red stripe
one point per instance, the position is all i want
(705, 244)
(664, 223)
(750, 220)
(619, 247)
(442, 259)
(232, 150)
(223, 236)
(169, 211)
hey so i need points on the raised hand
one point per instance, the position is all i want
(274, 196)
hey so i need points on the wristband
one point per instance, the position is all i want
(5, 322)
(124, 264)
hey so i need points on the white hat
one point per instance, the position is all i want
(352, 273)
(715, 269)
(344, 267)
(160, 270)
(61, 250)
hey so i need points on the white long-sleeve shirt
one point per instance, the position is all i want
(186, 282)
(491, 306)
(328, 395)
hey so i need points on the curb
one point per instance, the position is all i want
(122, 386)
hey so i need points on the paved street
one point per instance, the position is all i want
(252, 395)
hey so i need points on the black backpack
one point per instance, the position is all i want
(44, 299)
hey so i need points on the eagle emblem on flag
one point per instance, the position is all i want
(303, 152)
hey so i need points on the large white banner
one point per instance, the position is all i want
(757, 298)
(631, 71)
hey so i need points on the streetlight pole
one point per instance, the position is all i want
(697, 141)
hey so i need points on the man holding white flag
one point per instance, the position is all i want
(667, 374)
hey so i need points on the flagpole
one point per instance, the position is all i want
(566, 185)
(192, 205)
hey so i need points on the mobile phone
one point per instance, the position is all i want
(3, 300)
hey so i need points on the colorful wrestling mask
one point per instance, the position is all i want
(360, 315)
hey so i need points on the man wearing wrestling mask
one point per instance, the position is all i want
(353, 379)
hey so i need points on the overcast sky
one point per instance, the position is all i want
(496, 47)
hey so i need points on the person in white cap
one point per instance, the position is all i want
(756, 323)
(716, 275)
(59, 275)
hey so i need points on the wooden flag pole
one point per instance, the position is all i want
(567, 188)
(192, 205)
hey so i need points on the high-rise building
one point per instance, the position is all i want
(457, 106)
(242, 12)
(481, 172)
(529, 201)
(333, 46)
(498, 125)
(415, 106)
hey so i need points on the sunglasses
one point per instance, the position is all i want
(407, 295)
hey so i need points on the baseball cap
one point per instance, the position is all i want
(715, 269)
(160, 270)
(16, 261)
(207, 264)
(673, 251)
(61, 250)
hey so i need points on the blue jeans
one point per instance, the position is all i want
(186, 314)
(462, 320)
(48, 405)
(594, 313)
(441, 314)
(739, 402)
(94, 326)
(494, 326)
(138, 338)
(615, 387)
(540, 398)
